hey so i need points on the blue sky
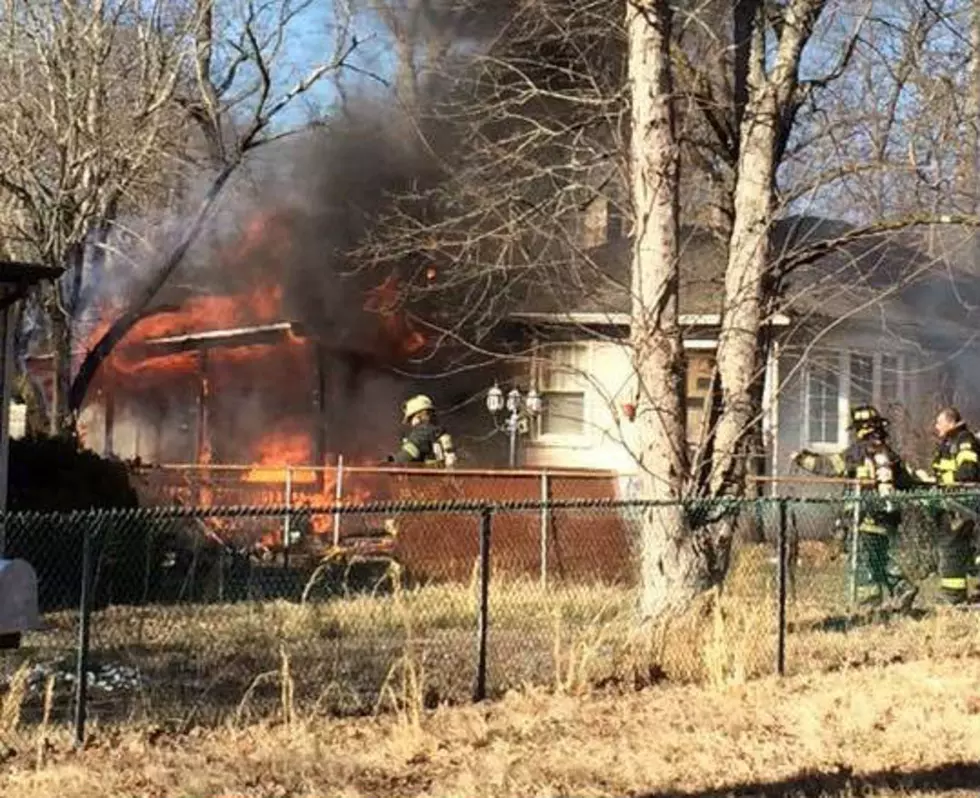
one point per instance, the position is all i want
(310, 40)
(312, 35)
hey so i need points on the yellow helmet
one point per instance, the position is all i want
(866, 419)
(416, 405)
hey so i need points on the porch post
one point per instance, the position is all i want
(6, 377)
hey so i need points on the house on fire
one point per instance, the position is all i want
(886, 318)
(878, 318)
(261, 390)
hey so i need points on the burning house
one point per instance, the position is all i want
(235, 378)
(240, 404)
(222, 380)
(269, 357)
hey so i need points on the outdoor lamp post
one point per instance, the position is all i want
(520, 411)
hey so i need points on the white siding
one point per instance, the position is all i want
(602, 371)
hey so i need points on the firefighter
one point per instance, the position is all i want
(870, 457)
(955, 465)
(426, 442)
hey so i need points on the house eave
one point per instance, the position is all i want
(226, 338)
(18, 272)
(17, 277)
(589, 318)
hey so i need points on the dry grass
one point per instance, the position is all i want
(416, 646)
(582, 720)
(900, 730)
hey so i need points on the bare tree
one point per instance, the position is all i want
(79, 143)
(233, 98)
(657, 346)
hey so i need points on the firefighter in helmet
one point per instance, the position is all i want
(425, 442)
(870, 457)
(954, 466)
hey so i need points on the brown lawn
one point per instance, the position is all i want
(910, 728)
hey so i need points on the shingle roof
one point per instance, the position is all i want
(878, 280)
(599, 281)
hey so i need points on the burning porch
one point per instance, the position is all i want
(234, 380)
(258, 411)
(269, 385)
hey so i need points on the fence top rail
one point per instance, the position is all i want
(719, 505)
(204, 470)
(235, 468)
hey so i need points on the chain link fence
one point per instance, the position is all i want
(197, 615)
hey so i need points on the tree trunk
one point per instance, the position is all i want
(671, 573)
(772, 98)
(24, 386)
(61, 418)
(748, 255)
(971, 167)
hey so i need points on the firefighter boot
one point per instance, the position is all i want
(954, 559)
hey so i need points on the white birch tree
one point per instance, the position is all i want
(657, 346)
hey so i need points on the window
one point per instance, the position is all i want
(595, 223)
(561, 383)
(614, 222)
(822, 399)
(838, 381)
(563, 414)
(601, 222)
(699, 371)
(862, 379)
(890, 381)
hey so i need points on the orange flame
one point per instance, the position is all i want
(383, 300)
(282, 453)
(134, 358)
(276, 451)
(293, 448)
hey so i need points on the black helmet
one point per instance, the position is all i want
(866, 419)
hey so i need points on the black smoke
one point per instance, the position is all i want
(327, 203)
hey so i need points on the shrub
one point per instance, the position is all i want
(49, 478)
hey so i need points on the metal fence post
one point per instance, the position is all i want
(483, 608)
(287, 521)
(783, 570)
(338, 498)
(760, 520)
(84, 620)
(855, 519)
(545, 517)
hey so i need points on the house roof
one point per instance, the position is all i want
(223, 338)
(598, 282)
(921, 283)
(884, 281)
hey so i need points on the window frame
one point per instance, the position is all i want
(585, 352)
(905, 387)
(843, 390)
